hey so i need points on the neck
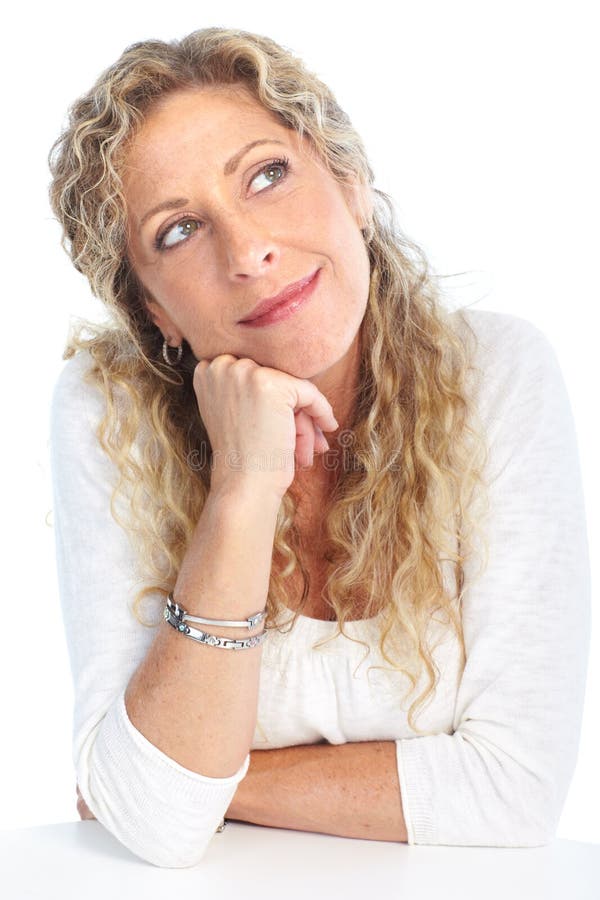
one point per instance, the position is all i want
(339, 384)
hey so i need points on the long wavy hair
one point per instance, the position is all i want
(413, 459)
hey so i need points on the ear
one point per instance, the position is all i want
(359, 197)
(170, 331)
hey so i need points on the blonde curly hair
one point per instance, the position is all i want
(402, 502)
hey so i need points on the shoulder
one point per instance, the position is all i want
(520, 396)
(72, 381)
(77, 401)
(504, 337)
(511, 357)
(92, 406)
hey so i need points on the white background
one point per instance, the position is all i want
(480, 120)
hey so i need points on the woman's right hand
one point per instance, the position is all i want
(261, 422)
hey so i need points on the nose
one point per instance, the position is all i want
(249, 248)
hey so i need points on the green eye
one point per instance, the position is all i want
(179, 232)
(278, 165)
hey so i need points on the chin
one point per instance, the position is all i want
(316, 360)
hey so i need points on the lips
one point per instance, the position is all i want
(270, 303)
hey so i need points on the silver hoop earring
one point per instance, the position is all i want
(165, 353)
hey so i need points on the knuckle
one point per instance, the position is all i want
(261, 378)
(248, 365)
(223, 359)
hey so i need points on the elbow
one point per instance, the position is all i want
(539, 802)
(505, 824)
(517, 803)
(173, 839)
(528, 817)
(161, 812)
(536, 826)
(166, 849)
(530, 834)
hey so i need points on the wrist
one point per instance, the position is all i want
(240, 807)
(245, 493)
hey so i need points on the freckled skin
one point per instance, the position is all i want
(257, 234)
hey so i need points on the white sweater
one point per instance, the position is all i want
(497, 766)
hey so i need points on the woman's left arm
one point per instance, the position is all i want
(501, 777)
(349, 790)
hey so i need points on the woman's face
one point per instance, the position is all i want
(209, 238)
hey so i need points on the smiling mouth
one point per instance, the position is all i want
(289, 293)
(283, 309)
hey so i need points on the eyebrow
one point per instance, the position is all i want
(229, 169)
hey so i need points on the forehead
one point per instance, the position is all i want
(203, 125)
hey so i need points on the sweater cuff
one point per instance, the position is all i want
(161, 811)
(415, 791)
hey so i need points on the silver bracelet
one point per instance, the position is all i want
(203, 637)
(250, 622)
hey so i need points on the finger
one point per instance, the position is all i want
(317, 407)
(305, 439)
(306, 397)
(321, 442)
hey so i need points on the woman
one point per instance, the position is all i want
(280, 425)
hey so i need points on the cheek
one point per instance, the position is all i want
(331, 220)
(149, 273)
(170, 282)
(311, 210)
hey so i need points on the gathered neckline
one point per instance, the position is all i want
(308, 623)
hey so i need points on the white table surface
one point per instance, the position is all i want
(82, 860)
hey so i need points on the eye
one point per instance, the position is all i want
(177, 233)
(268, 171)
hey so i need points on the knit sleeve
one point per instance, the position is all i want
(501, 777)
(163, 812)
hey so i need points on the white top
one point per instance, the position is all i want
(497, 765)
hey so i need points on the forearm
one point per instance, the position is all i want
(195, 703)
(350, 790)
